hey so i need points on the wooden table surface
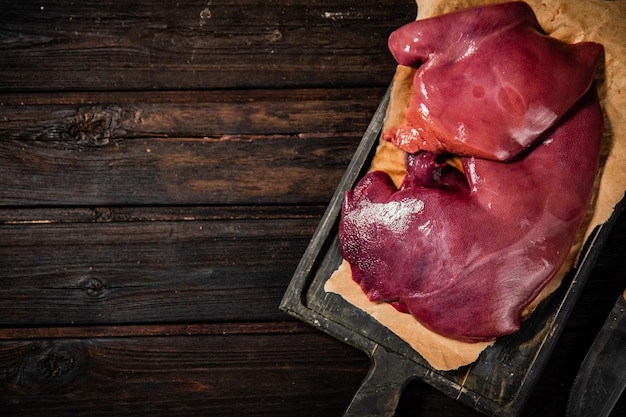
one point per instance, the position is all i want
(163, 167)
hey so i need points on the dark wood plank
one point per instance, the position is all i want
(149, 271)
(287, 147)
(304, 374)
(34, 216)
(284, 169)
(93, 118)
(152, 45)
(137, 330)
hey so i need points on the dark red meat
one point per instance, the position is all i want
(466, 252)
(489, 81)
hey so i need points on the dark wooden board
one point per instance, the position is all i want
(180, 171)
(163, 269)
(161, 151)
(497, 384)
(234, 373)
(91, 119)
(152, 45)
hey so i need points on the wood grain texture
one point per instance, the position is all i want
(93, 118)
(151, 45)
(243, 374)
(181, 171)
(294, 148)
(148, 272)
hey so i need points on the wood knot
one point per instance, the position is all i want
(102, 214)
(45, 367)
(94, 287)
(95, 126)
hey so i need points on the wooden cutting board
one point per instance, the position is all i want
(497, 384)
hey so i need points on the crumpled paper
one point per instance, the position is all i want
(572, 21)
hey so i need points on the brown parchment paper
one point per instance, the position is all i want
(572, 21)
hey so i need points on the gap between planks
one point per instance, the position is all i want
(155, 330)
(192, 97)
(53, 215)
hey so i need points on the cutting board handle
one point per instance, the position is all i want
(381, 389)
